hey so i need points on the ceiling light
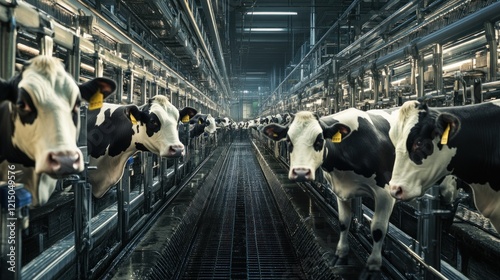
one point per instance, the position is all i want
(255, 73)
(273, 13)
(271, 29)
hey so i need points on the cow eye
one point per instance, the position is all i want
(417, 144)
(154, 122)
(23, 106)
(318, 144)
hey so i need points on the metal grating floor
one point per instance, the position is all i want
(241, 234)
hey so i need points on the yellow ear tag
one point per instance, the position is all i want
(96, 101)
(444, 138)
(185, 119)
(275, 135)
(199, 121)
(133, 120)
(337, 138)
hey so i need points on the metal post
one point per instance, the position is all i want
(148, 184)
(83, 203)
(438, 67)
(376, 83)
(144, 93)
(14, 218)
(352, 89)
(490, 33)
(119, 85)
(8, 35)
(74, 60)
(429, 230)
(124, 201)
(130, 89)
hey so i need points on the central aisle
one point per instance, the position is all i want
(241, 234)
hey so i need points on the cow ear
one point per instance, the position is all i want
(275, 132)
(102, 85)
(198, 118)
(337, 132)
(134, 114)
(7, 91)
(187, 113)
(447, 126)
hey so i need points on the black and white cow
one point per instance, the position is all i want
(39, 113)
(434, 142)
(201, 123)
(359, 163)
(116, 132)
(222, 122)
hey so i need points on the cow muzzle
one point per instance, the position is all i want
(397, 192)
(60, 164)
(301, 174)
(175, 151)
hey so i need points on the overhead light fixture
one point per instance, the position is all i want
(255, 73)
(272, 13)
(260, 29)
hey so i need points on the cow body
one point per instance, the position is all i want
(40, 117)
(115, 132)
(471, 152)
(359, 165)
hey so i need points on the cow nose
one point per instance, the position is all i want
(301, 174)
(175, 151)
(64, 163)
(397, 192)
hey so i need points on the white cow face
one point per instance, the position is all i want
(420, 158)
(46, 118)
(160, 119)
(306, 144)
(210, 128)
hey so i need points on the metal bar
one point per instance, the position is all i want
(455, 30)
(8, 35)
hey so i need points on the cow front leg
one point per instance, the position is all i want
(384, 203)
(345, 214)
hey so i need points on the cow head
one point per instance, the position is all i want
(305, 141)
(201, 123)
(421, 159)
(158, 122)
(45, 115)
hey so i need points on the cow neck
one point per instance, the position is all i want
(477, 158)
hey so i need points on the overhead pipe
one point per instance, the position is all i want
(453, 31)
(207, 7)
(439, 11)
(402, 13)
(318, 43)
(203, 45)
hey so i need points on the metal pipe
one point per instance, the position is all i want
(201, 41)
(318, 43)
(453, 31)
(8, 35)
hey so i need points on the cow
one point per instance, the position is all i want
(433, 142)
(116, 132)
(201, 123)
(355, 153)
(40, 117)
(222, 122)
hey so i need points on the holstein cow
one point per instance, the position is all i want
(116, 132)
(201, 123)
(40, 117)
(434, 142)
(353, 149)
